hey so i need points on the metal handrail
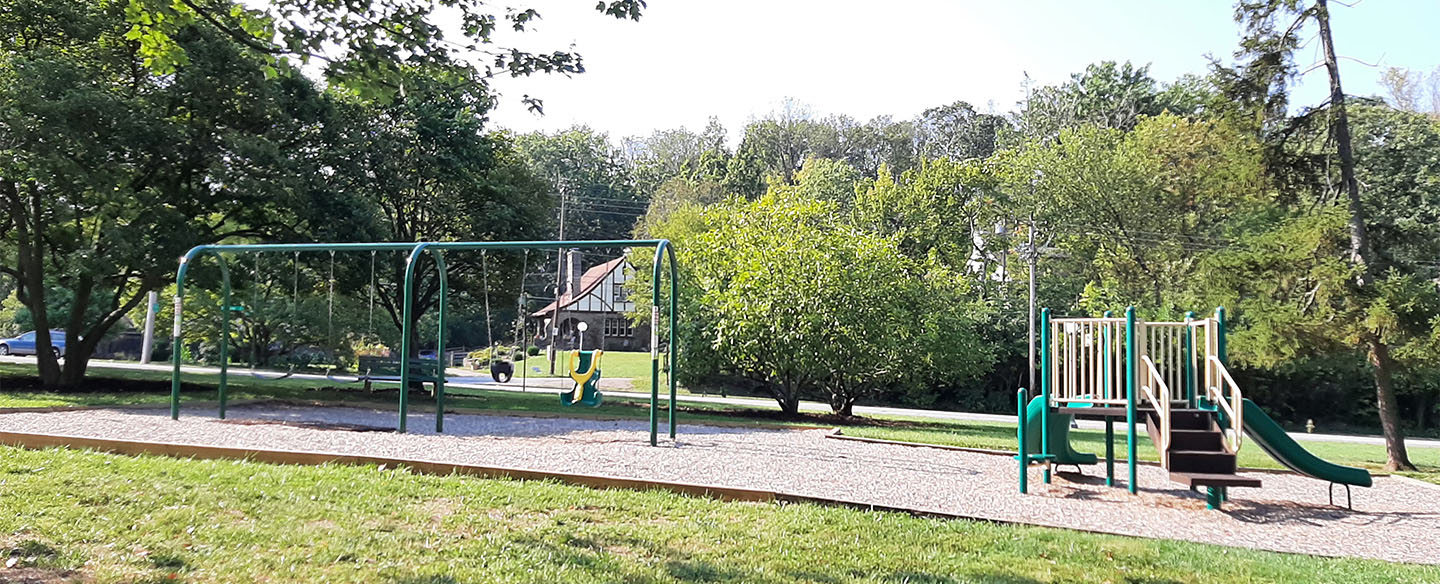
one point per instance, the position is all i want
(1233, 408)
(1162, 404)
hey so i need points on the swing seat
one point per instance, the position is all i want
(502, 371)
(585, 372)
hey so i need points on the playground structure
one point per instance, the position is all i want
(407, 370)
(1172, 375)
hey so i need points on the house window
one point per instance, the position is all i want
(618, 326)
(619, 293)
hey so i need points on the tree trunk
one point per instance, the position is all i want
(1340, 128)
(77, 361)
(786, 395)
(1360, 255)
(1396, 458)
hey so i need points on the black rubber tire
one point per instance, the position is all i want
(502, 371)
(4, 350)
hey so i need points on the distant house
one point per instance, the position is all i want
(596, 297)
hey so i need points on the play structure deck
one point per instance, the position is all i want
(1172, 377)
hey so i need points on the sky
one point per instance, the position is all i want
(688, 60)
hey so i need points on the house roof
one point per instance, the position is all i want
(589, 281)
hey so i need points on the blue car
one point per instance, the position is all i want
(25, 344)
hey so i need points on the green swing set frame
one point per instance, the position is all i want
(664, 253)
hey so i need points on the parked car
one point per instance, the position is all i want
(25, 344)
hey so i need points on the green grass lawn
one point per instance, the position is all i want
(613, 365)
(105, 518)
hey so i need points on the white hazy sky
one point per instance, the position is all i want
(687, 60)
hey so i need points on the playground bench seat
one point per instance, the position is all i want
(388, 369)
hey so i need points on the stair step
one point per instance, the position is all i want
(1202, 461)
(1191, 419)
(1197, 479)
(1203, 440)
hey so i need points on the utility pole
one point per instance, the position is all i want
(148, 344)
(559, 277)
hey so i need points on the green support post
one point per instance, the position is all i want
(662, 251)
(1131, 361)
(406, 314)
(1045, 366)
(1024, 453)
(1109, 451)
(440, 362)
(1220, 336)
(1187, 364)
(224, 332)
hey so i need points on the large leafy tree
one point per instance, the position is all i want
(109, 171)
(956, 131)
(367, 45)
(786, 292)
(420, 167)
(1134, 211)
(1376, 308)
(1108, 95)
(593, 178)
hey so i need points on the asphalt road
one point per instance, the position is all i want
(462, 379)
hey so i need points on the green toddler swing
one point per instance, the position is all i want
(585, 372)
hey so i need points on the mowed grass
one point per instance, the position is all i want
(632, 365)
(70, 515)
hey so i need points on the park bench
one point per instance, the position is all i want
(388, 369)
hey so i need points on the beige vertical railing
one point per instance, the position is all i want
(1217, 380)
(1153, 388)
(1087, 357)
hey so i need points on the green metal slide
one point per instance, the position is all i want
(1271, 438)
(1059, 435)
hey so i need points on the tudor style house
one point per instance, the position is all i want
(596, 297)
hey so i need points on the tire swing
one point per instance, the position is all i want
(501, 370)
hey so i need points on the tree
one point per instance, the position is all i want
(1405, 88)
(1107, 95)
(110, 171)
(956, 131)
(591, 175)
(422, 168)
(362, 45)
(678, 153)
(1134, 211)
(770, 292)
(1370, 316)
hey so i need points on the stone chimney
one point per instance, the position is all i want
(573, 272)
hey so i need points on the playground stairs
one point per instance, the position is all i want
(1197, 455)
